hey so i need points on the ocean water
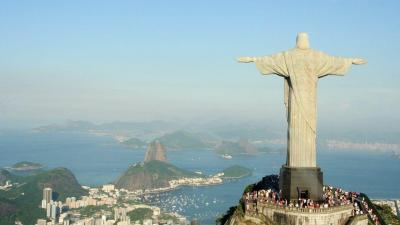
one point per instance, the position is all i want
(97, 160)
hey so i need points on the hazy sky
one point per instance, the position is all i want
(144, 60)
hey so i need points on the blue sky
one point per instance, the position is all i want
(145, 60)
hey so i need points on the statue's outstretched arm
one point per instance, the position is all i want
(338, 66)
(246, 59)
(358, 61)
(272, 64)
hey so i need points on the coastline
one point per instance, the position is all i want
(171, 188)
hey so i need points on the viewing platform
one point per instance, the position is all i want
(337, 207)
(338, 215)
(250, 207)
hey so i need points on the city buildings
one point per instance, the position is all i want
(47, 197)
(112, 209)
(108, 187)
(47, 194)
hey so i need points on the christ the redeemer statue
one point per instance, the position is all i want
(301, 67)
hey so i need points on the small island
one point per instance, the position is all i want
(134, 143)
(236, 172)
(26, 166)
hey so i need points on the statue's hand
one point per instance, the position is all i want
(359, 61)
(245, 59)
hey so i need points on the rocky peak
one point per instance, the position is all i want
(155, 151)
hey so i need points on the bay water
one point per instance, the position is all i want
(96, 160)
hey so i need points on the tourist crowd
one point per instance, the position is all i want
(337, 196)
(332, 197)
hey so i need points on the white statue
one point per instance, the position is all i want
(301, 67)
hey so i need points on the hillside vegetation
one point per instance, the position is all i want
(236, 171)
(22, 202)
(151, 174)
(5, 175)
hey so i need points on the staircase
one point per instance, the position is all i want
(364, 197)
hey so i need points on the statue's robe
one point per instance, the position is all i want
(301, 70)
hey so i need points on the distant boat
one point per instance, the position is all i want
(226, 156)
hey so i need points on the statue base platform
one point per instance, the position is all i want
(301, 182)
(272, 215)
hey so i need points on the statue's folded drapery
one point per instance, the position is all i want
(301, 69)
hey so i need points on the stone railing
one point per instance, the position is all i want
(253, 208)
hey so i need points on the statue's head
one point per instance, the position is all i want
(302, 41)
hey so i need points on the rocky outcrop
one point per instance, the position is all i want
(155, 151)
(151, 174)
(262, 212)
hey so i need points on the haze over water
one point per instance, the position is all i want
(98, 160)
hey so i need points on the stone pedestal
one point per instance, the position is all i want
(301, 182)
